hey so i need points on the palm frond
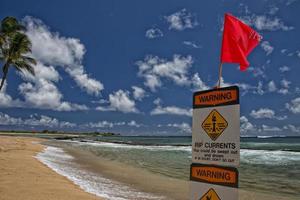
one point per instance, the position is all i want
(20, 44)
(29, 60)
(21, 65)
(10, 25)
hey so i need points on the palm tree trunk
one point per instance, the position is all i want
(5, 70)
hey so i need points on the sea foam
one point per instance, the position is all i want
(62, 163)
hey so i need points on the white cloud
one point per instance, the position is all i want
(289, 2)
(181, 20)
(266, 128)
(245, 88)
(44, 94)
(6, 100)
(284, 69)
(285, 86)
(154, 33)
(153, 69)
(246, 126)
(294, 105)
(134, 124)
(41, 72)
(267, 47)
(260, 90)
(265, 23)
(285, 83)
(35, 120)
(107, 124)
(120, 101)
(5, 119)
(292, 128)
(184, 127)
(198, 84)
(52, 49)
(192, 44)
(272, 86)
(265, 113)
(171, 110)
(273, 10)
(138, 93)
(100, 124)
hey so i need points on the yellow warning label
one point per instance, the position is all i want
(214, 124)
(210, 195)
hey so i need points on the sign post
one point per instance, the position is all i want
(215, 144)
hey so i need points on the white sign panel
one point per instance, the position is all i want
(216, 127)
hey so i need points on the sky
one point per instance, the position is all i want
(131, 67)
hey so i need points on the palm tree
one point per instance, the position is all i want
(14, 48)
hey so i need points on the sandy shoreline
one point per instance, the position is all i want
(23, 177)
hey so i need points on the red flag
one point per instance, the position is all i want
(238, 41)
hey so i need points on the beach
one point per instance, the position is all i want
(32, 168)
(23, 177)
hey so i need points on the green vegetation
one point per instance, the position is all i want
(62, 133)
(14, 48)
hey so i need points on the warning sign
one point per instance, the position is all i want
(214, 124)
(216, 127)
(205, 191)
(210, 195)
(226, 176)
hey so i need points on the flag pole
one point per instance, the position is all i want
(220, 75)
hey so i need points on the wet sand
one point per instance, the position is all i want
(23, 177)
(173, 189)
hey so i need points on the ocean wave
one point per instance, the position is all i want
(267, 157)
(61, 162)
(129, 146)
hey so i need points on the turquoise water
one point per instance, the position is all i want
(268, 165)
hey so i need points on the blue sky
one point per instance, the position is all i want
(131, 67)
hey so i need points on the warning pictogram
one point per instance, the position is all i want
(210, 195)
(214, 124)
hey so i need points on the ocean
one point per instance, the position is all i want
(137, 168)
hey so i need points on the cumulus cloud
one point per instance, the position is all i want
(198, 84)
(35, 120)
(267, 47)
(134, 124)
(266, 23)
(52, 49)
(284, 69)
(246, 126)
(108, 124)
(138, 93)
(272, 86)
(265, 113)
(285, 85)
(153, 69)
(245, 88)
(181, 20)
(183, 127)
(192, 44)
(170, 110)
(6, 100)
(292, 128)
(44, 94)
(154, 33)
(294, 105)
(120, 101)
(266, 128)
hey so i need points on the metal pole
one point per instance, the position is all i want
(220, 75)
